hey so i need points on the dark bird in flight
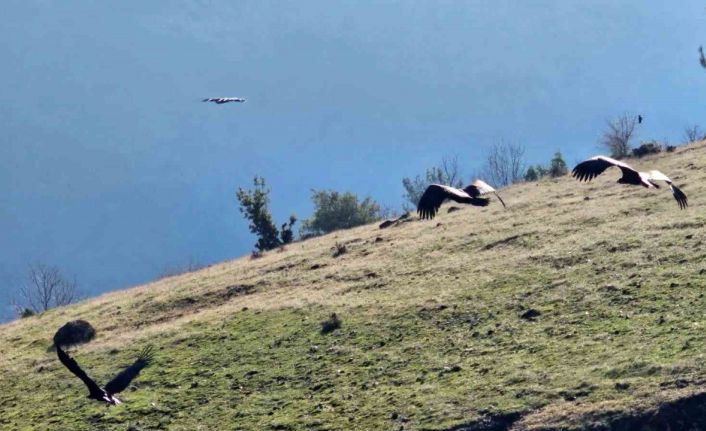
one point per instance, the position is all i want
(119, 382)
(639, 119)
(221, 100)
(436, 194)
(591, 168)
(702, 59)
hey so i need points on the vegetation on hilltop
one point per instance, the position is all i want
(436, 328)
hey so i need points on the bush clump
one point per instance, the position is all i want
(334, 211)
(339, 249)
(330, 324)
(27, 312)
(646, 148)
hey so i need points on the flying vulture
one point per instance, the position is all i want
(119, 382)
(702, 59)
(221, 100)
(591, 168)
(435, 194)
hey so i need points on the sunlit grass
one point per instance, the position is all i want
(431, 335)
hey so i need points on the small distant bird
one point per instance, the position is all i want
(436, 194)
(639, 119)
(591, 168)
(702, 59)
(221, 100)
(119, 382)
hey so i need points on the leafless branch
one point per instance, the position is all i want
(505, 164)
(47, 288)
(451, 171)
(618, 136)
(693, 134)
(448, 173)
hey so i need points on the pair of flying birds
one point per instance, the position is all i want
(436, 194)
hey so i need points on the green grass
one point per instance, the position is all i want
(432, 334)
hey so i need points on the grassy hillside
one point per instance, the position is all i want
(433, 335)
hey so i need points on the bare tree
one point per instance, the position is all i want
(617, 137)
(447, 173)
(450, 171)
(693, 134)
(47, 288)
(505, 164)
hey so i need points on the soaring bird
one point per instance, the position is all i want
(639, 119)
(702, 59)
(221, 100)
(119, 382)
(436, 194)
(591, 168)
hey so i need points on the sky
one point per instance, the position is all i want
(113, 170)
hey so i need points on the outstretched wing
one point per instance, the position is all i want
(72, 365)
(123, 379)
(702, 59)
(678, 194)
(435, 195)
(591, 168)
(480, 188)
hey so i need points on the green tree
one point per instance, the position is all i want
(254, 206)
(447, 173)
(536, 172)
(334, 211)
(541, 171)
(557, 167)
(531, 174)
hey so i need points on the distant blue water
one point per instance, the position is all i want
(113, 169)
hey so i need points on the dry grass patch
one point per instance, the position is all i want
(433, 335)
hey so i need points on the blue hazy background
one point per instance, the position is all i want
(112, 169)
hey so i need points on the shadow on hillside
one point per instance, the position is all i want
(501, 422)
(688, 413)
(153, 311)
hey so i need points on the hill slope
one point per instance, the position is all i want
(432, 337)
